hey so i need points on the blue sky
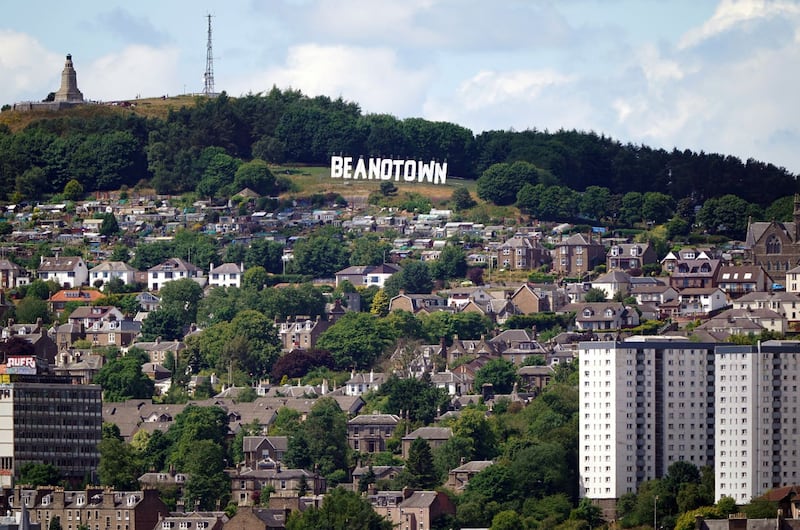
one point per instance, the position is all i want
(718, 76)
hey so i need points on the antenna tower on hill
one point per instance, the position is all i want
(208, 88)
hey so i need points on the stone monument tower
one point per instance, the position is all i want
(69, 84)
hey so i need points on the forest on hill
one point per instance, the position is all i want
(206, 142)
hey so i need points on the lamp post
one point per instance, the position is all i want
(655, 512)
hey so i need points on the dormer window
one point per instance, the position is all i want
(615, 250)
(587, 312)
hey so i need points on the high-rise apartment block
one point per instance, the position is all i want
(47, 419)
(648, 402)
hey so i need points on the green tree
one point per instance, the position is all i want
(184, 295)
(340, 510)
(419, 399)
(73, 190)
(461, 199)
(193, 424)
(109, 226)
(727, 215)
(631, 208)
(657, 207)
(30, 309)
(36, 474)
(165, 322)
(501, 374)
(119, 464)
(321, 440)
(419, 466)
(501, 182)
(55, 523)
(207, 483)
(595, 294)
(256, 176)
(507, 520)
(122, 378)
(595, 202)
(472, 424)
(414, 278)
(780, 210)
(369, 250)
(356, 340)
(452, 263)
(320, 256)
(264, 253)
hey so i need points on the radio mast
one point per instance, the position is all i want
(208, 88)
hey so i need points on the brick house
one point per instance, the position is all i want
(577, 255)
(522, 253)
(368, 433)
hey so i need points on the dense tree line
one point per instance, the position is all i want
(205, 147)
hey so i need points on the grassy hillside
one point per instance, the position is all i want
(149, 108)
(310, 180)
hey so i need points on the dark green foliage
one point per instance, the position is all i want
(320, 442)
(452, 263)
(369, 250)
(319, 255)
(35, 474)
(119, 464)
(356, 340)
(109, 227)
(501, 182)
(417, 398)
(500, 373)
(30, 309)
(540, 321)
(415, 278)
(595, 294)
(419, 466)
(122, 378)
(340, 510)
(461, 199)
(166, 323)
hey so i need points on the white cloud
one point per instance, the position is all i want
(489, 88)
(25, 68)
(371, 77)
(732, 13)
(134, 70)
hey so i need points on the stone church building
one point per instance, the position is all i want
(775, 246)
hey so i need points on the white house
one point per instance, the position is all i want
(701, 301)
(68, 271)
(170, 270)
(109, 270)
(226, 275)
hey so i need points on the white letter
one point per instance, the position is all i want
(398, 165)
(441, 173)
(409, 171)
(336, 167)
(426, 171)
(375, 169)
(361, 170)
(348, 167)
(386, 169)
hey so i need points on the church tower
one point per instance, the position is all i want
(69, 84)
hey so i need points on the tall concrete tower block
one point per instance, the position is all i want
(69, 84)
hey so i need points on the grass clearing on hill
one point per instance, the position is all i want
(317, 179)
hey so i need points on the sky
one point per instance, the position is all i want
(716, 76)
